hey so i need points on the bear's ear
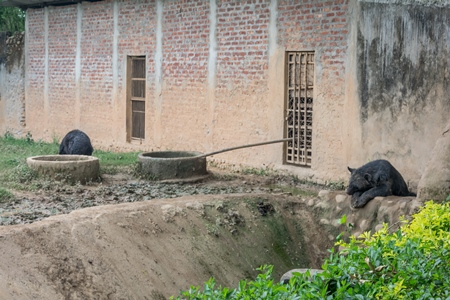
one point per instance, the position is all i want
(382, 178)
(367, 177)
(351, 170)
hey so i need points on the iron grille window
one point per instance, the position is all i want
(299, 108)
(136, 97)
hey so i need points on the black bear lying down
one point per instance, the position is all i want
(76, 142)
(376, 178)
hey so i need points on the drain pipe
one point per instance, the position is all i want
(243, 146)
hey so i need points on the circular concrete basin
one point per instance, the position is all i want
(75, 168)
(161, 165)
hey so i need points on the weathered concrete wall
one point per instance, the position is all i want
(435, 181)
(403, 81)
(12, 83)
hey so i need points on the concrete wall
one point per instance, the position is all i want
(12, 83)
(403, 81)
(216, 77)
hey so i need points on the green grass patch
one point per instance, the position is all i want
(15, 151)
(6, 196)
(113, 159)
(14, 171)
(113, 163)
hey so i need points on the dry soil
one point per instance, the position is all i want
(124, 238)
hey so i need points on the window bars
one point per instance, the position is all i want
(299, 108)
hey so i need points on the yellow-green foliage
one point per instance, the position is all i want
(431, 226)
(411, 263)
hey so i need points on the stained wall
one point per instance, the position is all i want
(402, 55)
(12, 83)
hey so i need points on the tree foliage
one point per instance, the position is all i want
(12, 19)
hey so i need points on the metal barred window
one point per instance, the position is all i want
(136, 97)
(299, 108)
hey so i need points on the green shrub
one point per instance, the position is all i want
(411, 263)
(301, 286)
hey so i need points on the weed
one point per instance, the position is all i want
(212, 230)
(108, 158)
(114, 163)
(256, 171)
(55, 139)
(6, 196)
(8, 135)
(336, 185)
(29, 137)
(20, 174)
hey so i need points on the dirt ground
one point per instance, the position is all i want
(54, 198)
(125, 238)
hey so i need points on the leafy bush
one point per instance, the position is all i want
(12, 19)
(411, 263)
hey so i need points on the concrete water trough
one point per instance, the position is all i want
(162, 165)
(75, 168)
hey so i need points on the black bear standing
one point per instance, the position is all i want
(76, 142)
(376, 178)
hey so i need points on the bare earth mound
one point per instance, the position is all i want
(152, 249)
(170, 235)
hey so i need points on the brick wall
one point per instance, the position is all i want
(242, 74)
(316, 25)
(61, 66)
(136, 37)
(185, 107)
(242, 36)
(186, 41)
(186, 110)
(96, 81)
(321, 26)
(207, 96)
(35, 70)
